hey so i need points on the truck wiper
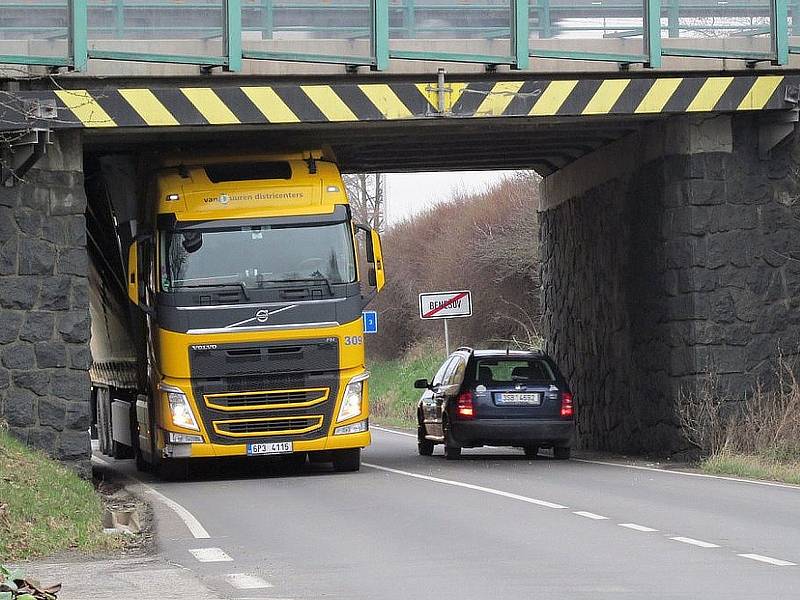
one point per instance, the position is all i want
(306, 280)
(239, 285)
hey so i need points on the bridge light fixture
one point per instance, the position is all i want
(173, 197)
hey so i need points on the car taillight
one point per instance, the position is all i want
(567, 407)
(464, 406)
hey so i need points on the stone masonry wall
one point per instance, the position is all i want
(687, 264)
(44, 315)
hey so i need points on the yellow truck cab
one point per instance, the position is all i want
(248, 277)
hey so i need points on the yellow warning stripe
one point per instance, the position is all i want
(385, 100)
(760, 93)
(658, 95)
(329, 103)
(210, 106)
(498, 99)
(553, 97)
(150, 108)
(85, 107)
(606, 96)
(270, 104)
(709, 94)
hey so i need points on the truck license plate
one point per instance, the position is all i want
(269, 448)
(519, 399)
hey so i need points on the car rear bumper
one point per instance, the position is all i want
(507, 432)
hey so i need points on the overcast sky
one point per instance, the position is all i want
(409, 193)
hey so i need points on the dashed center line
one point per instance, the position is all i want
(694, 542)
(243, 581)
(636, 527)
(767, 559)
(210, 555)
(589, 515)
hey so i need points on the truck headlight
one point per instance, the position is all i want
(352, 398)
(179, 408)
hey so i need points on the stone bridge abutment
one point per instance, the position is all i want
(670, 255)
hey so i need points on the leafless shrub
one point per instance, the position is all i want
(766, 423)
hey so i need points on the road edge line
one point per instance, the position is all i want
(192, 523)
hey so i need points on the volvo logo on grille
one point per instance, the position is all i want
(262, 316)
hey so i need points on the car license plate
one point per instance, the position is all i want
(518, 399)
(270, 448)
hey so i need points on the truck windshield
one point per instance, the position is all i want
(257, 256)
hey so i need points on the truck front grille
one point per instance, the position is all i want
(269, 426)
(265, 400)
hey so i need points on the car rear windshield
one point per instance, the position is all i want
(502, 371)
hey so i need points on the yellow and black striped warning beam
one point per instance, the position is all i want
(159, 106)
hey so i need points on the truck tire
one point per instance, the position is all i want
(104, 420)
(173, 469)
(345, 461)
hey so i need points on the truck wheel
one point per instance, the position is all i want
(104, 421)
(293, 463)
(120, 450)
(141, 464)
(347, 460)
(561, 452)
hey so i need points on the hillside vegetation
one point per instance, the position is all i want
(486, 243)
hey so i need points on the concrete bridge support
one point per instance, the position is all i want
(672, 253)
(44, 314)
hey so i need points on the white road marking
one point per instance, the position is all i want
(636, 527)
(469, 486)
(191, 522)
(689, 474)
(243, 581)
(210, 555)
(394, 431)
(642, 468)
(766, 559)
(694, 542)
(589, 515)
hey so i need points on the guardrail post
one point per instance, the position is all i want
(268, 20)
(379, 34)
(779, 27)
(652, 32)
(545, 24)
(233, 35)
(410, 19)
(78, 34)
(520, 11)
(674, 18)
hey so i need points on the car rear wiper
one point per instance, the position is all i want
(239, 285)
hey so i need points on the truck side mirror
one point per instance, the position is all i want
(133, 273)
(377, 272)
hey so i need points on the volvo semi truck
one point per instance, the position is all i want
(227, 297)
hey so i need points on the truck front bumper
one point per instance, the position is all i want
(333, 442)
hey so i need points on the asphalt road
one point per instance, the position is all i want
(493, 525)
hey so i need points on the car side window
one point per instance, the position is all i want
(437, 379)
(455, 371)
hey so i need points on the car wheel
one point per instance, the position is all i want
(346, 460)
(452, 451)
(531, 451)
(424, 446)
(562, 452)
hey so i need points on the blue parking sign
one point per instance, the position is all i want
(370, 321)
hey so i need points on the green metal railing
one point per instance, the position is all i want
(521, 26)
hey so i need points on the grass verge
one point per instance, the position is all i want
(391, 384)
(44, 507)
(752, 467)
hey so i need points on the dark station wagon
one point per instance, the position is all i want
(496, 398)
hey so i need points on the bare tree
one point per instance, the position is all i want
(367, 194)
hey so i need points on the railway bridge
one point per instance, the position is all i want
(665, 132)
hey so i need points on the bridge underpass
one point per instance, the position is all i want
(668, 229)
